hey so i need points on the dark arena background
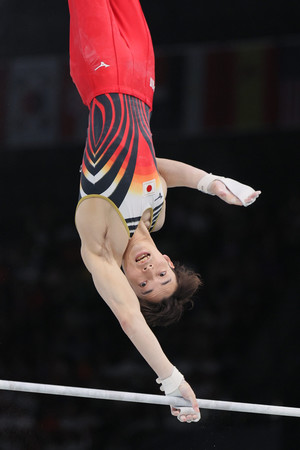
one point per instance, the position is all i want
(227, 101)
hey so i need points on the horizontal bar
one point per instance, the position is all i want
(52, 389)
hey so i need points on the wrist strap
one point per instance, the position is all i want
(241, 191)
(205, 181)
(171, 383)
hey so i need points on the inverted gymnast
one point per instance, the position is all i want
(123, 185)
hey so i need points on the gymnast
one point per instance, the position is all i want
(123, 185)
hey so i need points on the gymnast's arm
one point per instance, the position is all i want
(176, 174)
(114, 288)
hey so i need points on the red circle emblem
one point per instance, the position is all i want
(149, 188)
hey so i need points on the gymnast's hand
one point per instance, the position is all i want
(186, 414)
(176, 386)
(219, 189)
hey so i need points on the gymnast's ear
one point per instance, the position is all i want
(168, 259)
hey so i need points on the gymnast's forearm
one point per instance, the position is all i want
(177, 173)
(148, 346)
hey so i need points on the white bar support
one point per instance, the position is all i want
(70, 391)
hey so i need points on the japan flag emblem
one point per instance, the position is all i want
(149, 188)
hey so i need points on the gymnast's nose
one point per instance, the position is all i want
(148, 267)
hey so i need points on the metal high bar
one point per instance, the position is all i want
(134, 397)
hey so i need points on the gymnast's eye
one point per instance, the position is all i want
(162, 274)
(143, 284)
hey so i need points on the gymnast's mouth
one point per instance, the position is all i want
(142, 257)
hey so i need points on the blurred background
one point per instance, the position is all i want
(228, 101)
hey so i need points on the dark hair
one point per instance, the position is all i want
(170, 309)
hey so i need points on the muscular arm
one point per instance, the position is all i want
(114, 288)
(102, 245)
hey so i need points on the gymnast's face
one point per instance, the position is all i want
(149, 272)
